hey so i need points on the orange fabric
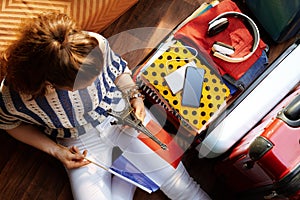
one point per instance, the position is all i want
(91, 15)
(173, 154)
(236, 35)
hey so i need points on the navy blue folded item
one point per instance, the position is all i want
(251, 74)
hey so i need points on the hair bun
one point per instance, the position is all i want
(60, 39)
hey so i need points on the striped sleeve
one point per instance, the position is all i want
(7, 120)
(115, 65)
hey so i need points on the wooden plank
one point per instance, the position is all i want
(139, 31)
(32, 174)
(49, 180)
(18, 171)
(6, 148)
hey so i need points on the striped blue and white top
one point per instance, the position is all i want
(66, 113)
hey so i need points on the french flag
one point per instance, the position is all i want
(145, 175)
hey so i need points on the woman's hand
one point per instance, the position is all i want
(71, 157)
(139, 108)
(31, 135)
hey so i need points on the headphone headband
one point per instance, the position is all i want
(255, 32)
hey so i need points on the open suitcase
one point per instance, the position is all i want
(253, 104)
(217, 125)
(175, 52)
(267, 159)
(233, 119)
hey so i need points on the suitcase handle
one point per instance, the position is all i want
(291, 113)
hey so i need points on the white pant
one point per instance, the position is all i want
(92, 182)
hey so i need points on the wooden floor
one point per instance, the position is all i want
(26, 173)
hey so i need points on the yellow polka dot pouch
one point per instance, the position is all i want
(214, 91)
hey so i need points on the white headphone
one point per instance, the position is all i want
(223, 51)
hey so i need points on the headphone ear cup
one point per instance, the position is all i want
(217, 26)
(219, 23)
(223, 48)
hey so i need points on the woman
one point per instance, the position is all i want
(60, 82)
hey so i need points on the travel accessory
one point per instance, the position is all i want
(192, 88)
(222, 50)
(194, 34)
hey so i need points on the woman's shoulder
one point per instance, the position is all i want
(102, 40)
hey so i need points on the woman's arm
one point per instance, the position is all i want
(127, 86)
(32, 136)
